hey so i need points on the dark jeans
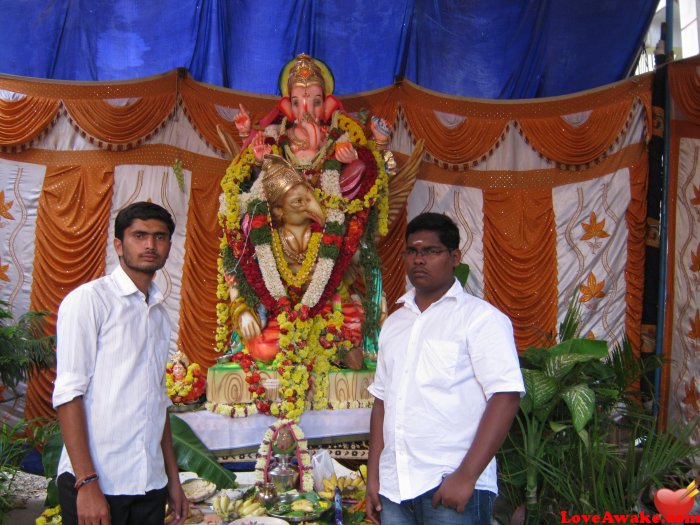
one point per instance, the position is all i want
(420, 511)
(142, 509)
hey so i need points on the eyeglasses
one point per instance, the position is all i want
(428, 253)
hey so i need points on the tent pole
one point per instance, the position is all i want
(663, 223)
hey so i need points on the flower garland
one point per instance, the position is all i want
(302, 275)
(262, 462)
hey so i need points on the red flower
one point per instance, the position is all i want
(258, 222)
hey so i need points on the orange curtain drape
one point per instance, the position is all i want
(685, 89)
(121, 125)
(520, 274)
(72, 219)
(565, 143)
(199, 276)
(23, 120)
(636, 233)
(389, 248)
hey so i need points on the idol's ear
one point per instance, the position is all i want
(285, 106)
(329, 106)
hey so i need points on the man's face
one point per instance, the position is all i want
(429, 264)
(145, 247)
(307, 100)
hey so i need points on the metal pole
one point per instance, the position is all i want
(663, 222)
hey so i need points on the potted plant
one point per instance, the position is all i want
(582, 441)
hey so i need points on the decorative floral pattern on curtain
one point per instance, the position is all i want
(681, 338)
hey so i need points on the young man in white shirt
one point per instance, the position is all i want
(118, 465)
(447, 387)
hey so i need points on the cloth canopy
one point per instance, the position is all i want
(497, 49)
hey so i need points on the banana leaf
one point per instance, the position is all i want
(193, 455)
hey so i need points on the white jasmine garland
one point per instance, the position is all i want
(335, 215)
(270, 274)
(322, 273)
(330, 182)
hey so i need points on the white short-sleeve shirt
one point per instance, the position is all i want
(112, 349)
(435, 372)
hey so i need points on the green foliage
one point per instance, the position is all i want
(582, 441)
(23, 345)
(16, 441)
(13, 448)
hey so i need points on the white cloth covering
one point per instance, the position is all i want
(435, 372)
(112, 348)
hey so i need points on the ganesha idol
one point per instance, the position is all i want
(299, 276)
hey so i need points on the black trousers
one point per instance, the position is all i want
(142, 509)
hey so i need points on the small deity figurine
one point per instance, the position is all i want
(302, 206)
(185, 382)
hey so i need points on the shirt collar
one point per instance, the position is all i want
(127, 287)
(409, 298)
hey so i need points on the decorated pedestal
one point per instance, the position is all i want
(228, 392)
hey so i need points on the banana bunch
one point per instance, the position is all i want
(228, 509)
(348, 485)
(223, 506)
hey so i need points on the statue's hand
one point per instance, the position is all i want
(345, 152)
(381, 131)
(242, 121)
(260, 149)
(248, 326)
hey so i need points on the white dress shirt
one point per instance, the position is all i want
(112, 348)
(435, 372)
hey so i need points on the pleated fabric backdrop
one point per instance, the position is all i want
(550, 195)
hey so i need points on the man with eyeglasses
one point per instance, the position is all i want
(447, 387)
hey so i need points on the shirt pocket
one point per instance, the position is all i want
(437, 363)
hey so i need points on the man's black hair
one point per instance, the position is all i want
(143, 211)
(446, 229)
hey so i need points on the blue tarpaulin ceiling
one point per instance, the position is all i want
(503, 49)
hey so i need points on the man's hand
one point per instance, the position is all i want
(178, 505)
(454, 492)
(372, 505)
(92, 505)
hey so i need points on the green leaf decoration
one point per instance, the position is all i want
(585, 438)
(539, 387)
(179, 175)
(193, 455)
(590, 347)
(557, 427)
(581, 400)
(49, 459)
(462, 272)
(559, 365)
